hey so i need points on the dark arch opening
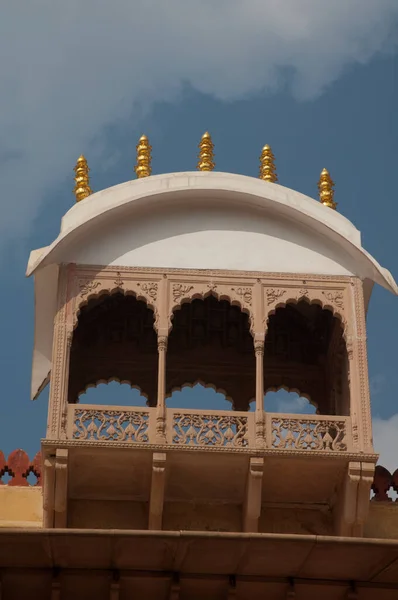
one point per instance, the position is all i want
(114, 340)
(305, 352)
(211, 343)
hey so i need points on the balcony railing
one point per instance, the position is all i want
(208, 428)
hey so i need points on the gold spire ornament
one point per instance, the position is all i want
(206, 153)
(143, 167)
(82, 188)
(267, 165)
(326, 191)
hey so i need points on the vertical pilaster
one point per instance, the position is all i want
(360, 358)
(252, 505)
(161, 403)
(60, 360)
(48, 492)
(157, 490)
(175, 588)
(61, 488)
(55, 587)
(259, 415)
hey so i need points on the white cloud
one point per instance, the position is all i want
(67, 69)
(385, 440)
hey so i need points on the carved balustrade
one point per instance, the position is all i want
(90, 423)
(210, 428)
(18, 467)
(317, 432)
(207, 429)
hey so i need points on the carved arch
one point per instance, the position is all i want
(115, 341)
(335, 301)
(240, 296)
(304, 352)
(292, 389)
(212, 386)
(105, 381)
(88, 290)
(211, 343)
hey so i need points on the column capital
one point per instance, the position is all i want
(162, 343)
(259, 346)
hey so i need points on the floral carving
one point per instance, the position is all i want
(308, 434)
(88, 286)
(274, 294)
(150, 289)
(212, 286)
(180, 290)
(303, 293)
(119, 281)
(246, 293)
(210, 430)
(336, 298)
(110, 425)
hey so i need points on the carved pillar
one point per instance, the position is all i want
(259, 415)
(114, 590)
(175, 588)
(161, 403)
(48, 492)
(352, 505)
(231, 594)
(60, 360)
(61, 488)
(157, 490)
(55, 588)
(252, 505)
(360, 361)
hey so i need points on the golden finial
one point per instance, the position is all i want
(206, 154)
(143, 167)
(326, 191)
(82, 188)
(267, 165)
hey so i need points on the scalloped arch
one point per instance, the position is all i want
(293, 390)
(111, 291)
(176, 305)
(110, 380)
(336, 312)
(200, 382)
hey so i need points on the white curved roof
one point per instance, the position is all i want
(227, 190)
(201, 221)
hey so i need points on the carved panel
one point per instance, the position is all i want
(312, 292)
(210, 430)
(107, 281)
(110, 425)
(308, 434)
(188, 290)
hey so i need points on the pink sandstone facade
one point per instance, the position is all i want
(167, 503)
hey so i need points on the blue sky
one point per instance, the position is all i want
(345, 119)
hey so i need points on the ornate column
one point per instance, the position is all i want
(259, 415)
(161, 403)
(60, 360)
(360, 362)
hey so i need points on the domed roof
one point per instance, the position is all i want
(206, 193)
(198, 220)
